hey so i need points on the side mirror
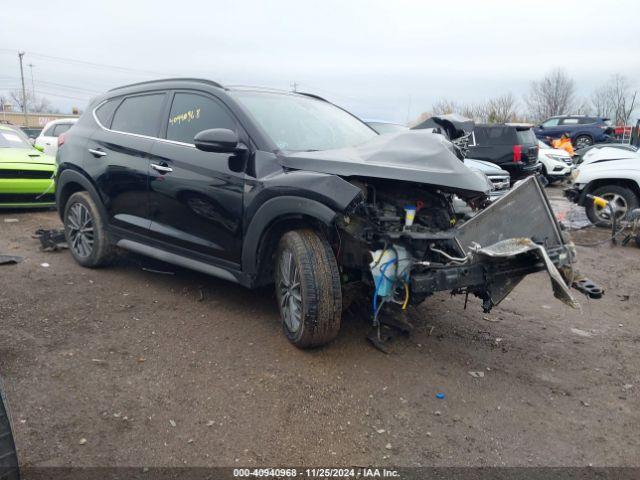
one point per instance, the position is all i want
(39, 148)
(541, 127)
(219, 140)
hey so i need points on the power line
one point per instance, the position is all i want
(72, 61)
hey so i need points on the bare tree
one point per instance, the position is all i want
(616, 99)
(35, 104)
(553, 95)
(444, 106)
(501, 109)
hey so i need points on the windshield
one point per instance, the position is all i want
(295, 122)
(382, 127)
(12, 139)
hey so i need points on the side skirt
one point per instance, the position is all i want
(179, 260)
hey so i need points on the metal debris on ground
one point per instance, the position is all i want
(51, 240)
(160, 272)
(478, 374)
(10, 259)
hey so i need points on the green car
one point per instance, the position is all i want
(26, 174)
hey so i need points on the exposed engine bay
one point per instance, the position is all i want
(405, 241)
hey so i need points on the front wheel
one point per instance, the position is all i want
(308, 289)
(623, 199)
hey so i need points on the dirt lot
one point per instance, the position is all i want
(152, 372)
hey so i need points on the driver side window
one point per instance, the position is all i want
(192, 113)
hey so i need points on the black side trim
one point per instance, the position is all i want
(270, 211)
(72, 176)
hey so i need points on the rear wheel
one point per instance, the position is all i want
(308, 289)
(85, 231)
(583, 141)
(623, 199)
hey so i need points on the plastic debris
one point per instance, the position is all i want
(10, 259)
(173, 423)
(82, 441)
(11, 220)
(45, 265)
(440, 395)
(478, 374)
(388, 446)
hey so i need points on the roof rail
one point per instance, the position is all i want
(312, 95)
(183, 79)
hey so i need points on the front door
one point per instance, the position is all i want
(195, 197)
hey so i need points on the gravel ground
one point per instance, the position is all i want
(122, 366)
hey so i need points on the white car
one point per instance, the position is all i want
(557, 164)
(610, 173)
(48, 138)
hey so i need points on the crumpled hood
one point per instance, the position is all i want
(25, 155)
(412, 156)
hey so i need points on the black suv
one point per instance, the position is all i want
(513, 147)
(258, 186)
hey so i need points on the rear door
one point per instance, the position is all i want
(118, 157)
(195, 196)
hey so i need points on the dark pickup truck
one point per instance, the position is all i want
(513, 147)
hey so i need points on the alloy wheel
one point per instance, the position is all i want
(619, 204)
(80, 224)
(290, 293)
(582, 142)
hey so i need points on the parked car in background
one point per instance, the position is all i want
(32, 133)
(48, 138)
(26, 174)
(556, 163)
(587, 152)
(500, 178)
(513, 147)
(582, 129)
(610, 173)
(383, 127)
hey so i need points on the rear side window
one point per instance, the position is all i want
(139, 115)
(192, 113)
(526, 137)
(105, 111)
(60, 129)
(586, 120)
(494, 136)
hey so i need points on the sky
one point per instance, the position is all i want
(387, 60)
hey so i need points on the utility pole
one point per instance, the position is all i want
(24, 92)
(294, 86)
(33, 85)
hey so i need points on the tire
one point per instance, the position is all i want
(583, 141)
(625, 199)
(90, 245)
(310, 312)
(8, 457)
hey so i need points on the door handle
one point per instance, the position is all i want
(161, 168)
(97, 153)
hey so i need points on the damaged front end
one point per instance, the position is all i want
(405, 241)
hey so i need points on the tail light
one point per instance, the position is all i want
(61, 138)
(517, 153)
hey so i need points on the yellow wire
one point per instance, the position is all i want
(406, 298)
